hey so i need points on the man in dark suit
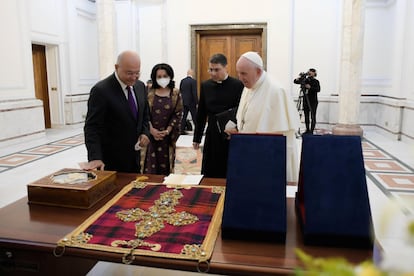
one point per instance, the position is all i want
(188, 89)
(117, 122)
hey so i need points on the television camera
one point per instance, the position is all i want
(303, 95)
(303, 80)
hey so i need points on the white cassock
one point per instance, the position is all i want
(267, 108)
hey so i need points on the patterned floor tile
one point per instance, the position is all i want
(385, 166)
(46, 149)
(17, 159)
(367, 145)
(375, 154)
(72, 141)
(394, 178)
(396, 181)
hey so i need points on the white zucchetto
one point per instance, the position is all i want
(254, 57)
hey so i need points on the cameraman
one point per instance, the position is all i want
(310, 88)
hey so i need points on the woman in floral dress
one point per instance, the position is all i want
(166, 111)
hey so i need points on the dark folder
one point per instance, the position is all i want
(224, 117)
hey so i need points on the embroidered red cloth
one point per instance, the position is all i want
(190, 219)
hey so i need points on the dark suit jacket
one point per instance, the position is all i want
(111, 131)
(188, 89)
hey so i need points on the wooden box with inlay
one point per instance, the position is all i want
(72, 188)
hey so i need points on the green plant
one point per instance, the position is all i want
(334, 266)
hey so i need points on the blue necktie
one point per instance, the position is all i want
(131, 102)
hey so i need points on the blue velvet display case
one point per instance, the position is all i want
(332, 203)
(255, 199)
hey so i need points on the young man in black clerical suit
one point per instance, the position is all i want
(188, 89)
(117, 122)
(218, 94)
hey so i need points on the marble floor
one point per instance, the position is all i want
(389, 168)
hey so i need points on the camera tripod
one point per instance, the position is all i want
(299, 105)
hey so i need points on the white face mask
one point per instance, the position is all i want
(163, 82)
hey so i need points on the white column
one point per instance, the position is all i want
(351, 68)
(402, 70)
(105, 17)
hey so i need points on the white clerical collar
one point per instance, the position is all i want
(225, 78)
(259, 81)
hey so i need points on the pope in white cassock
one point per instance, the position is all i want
(265, 107)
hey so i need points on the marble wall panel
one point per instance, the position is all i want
(75, 109)
(21, 118)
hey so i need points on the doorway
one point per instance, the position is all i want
(230, 40)
(40, 80)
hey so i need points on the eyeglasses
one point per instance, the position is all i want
(130, 73)
(214, 70)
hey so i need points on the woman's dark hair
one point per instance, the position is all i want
(218, 59)
(170, 73)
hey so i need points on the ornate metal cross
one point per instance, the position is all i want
(152, 221)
